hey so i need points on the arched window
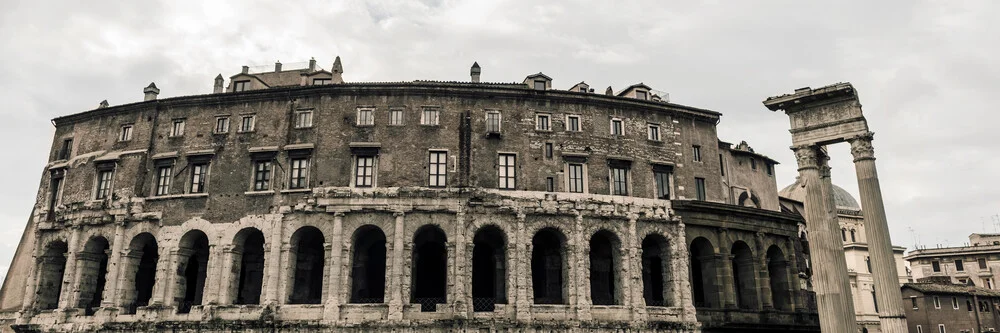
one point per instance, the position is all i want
(843, 234)
(654, 273)
(744, 276)
(308, 255)
(93, 264)
(248, 261)
(368, 265)
(430, 268)
(703, 266)
(777, 273)
(604, 282)
(547, 266)
(192, 269)
(852, 236)
(489, 273)
(140, 263)
(50, 275)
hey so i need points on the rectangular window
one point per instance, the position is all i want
(507, 171)
(493, 122)
(55, 187)
(937, 302)
(67, 148)
(722, 166)
(959, 265)
(178, 128)
(199, 173)
(640, 94)
(396, 117)
(164, 176)
(573, 123)
(364, 171)
(941, 329)
(954, 302)
(936, 266)
(320, 82)
(920, 329)
(104, 179)
(699, 185)
(753, 163)
(126, 133)
(982, 263)
(662, 179)
(366, 117)
(303, 119)
(653, 132)
(222, 125)
(247, 123)
(988, 282)
(550, 184)
(619, 180)
(575, 178)
(437, 167)
(548, 150)
(616, 127)
(429, 117)
(261, 175)
(542, 122)
(696, 153)
(299, 173)
(770, 169)
(539, 85)
(240, 85)
(913, 301)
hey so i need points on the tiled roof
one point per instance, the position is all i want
(952, 289)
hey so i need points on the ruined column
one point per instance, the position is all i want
(30, 291)
(69, 284)
(792, 272)
(333, 301)
(114, 267)
(891, 315)
(273, 261)
(396, 270)
(579, 269)
(460, 299)
(833, 292)
(522, 282)
(225, 294)
(213, 268)
(632, 272)
(164, 275)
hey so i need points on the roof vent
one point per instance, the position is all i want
(150, 91)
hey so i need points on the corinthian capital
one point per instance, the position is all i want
(808, 156)
(861, 147)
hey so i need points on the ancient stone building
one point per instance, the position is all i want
(291, 200)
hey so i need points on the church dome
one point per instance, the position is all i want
(796, 191)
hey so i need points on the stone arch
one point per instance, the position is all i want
(192, 270)
(744, 276)
(704, 264)
(429, 278)
(748, 199)
(92, 263)
(51, 269)
(307, 258)
(489, 268)
(655, 270)
(368, 265)
(548, 266)
(140, 262)
(777, 271)
(248, 258)
(854, 235)
(605, 259)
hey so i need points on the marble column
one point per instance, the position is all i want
(891, 315)
(833, 292)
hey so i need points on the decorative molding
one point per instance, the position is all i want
(861, 147)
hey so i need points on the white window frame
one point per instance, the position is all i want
(98, 191)
(920, 329)
(163, 182)
(125, 133)
(394, 120)
(239, 86)
(579, 123)
(303, 172)
(942, 329)
(426, 111)
(504, 171)
(304, 118)
(543, 122)
(937, 302)
(266, 183)
(177, 128)
(954, 303)
(203, 186)
(621, 126)
(703, 189)
(225, 125)
(321, 81)
(253, 123)
(650, 132)
(365, 121)
(627, 190)
(437, 168)
(499, 122)
(696, 153)
(670, 185)
(373, 167)
(569, 177)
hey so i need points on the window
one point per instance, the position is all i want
(104, 179)
(262, 175)
(55, 187)
(550, 184)
(542, 122)
(988, 282)
(982, 263)
(548, 150)
(770, 169)
(240, 85)
(126, 133)
(913, 301)
(937, 302)
(164, 176)
(722, 166)
(67, 148)
(868, 263)
(653, 132)
(662, 178)
(199, 173)
(396, 117)
(299, 173)
(575, 184)
(303, 118)
(222, 125)
(619, 177)
(320, 82)
(429, 117)
(936, 266)
(438, 169)
(941, 329)
(507, 171)
(364, 171)
(699, 185)
(853, 238)
(247, 123)
(920, 329)
(959, 265)
(493, 122)
(616, 127)
(954, 302)
(178, 128)
(640, 94)
(539, 84)
(843, 234)
(968, 305)
(366, 117)
(753, 163)
(696, 153)
(573, 123)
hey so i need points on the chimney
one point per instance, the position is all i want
(609, 92)
(475, 72)
(246, 70)
(337, 70)
(103, 104)
(312, 64)
(151, 91)
(277, 67)
(219, 81)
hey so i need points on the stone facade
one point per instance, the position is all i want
(298, 203)
(977, 264)
(945, 307)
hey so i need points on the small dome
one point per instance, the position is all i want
(796, 191)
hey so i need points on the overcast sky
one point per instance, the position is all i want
(925, 71)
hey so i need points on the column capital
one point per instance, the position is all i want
(861, 146)
(809, 156)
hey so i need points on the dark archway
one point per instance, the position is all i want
(654, 273)
(604, 260)
(368, 265)
(744, 276)
(141, 259)
(430, 268)
(489, 273)
(50, 275)
(703, 266)
(192, 269)
(548, 266)
(309, 257)
(93, 264)
(248, 257)
(777, 273)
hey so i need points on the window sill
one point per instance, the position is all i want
(220, 133)
(258, 193)
(177, 196)
(175, 136)
(396, 125)
(303, 127)
(242, 132)
(363, 126)
(543, 130)
(654, 141)
(297, 190)
(429, 125)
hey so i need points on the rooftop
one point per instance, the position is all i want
(951, 289)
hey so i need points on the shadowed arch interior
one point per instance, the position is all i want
(192, 269)
(430, 267)
(308, 253)
(704, 290)
(489, 277)
(654, 271)
(93, 267)
(368, 265)
(777, 273)
(50, 279)
(744, 276)
(248, 260)
(604, 261)
(547, 266)
(140, 262)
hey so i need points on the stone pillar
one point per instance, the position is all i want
(396, 270)
(115, 267)
(164, 275)
(891, 315)
(724, 271)
(680, 268)
(333, 300)
(764, 275)
(793, 277)
(70, 289)
(833, 292)
(632, 272)
(214, 272)
(521, 256)
(30, 291)
(225, 294)
(273, 262)
(579, 270)
(460, 269)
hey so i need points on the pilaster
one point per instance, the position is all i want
(579, 286)
(724, 271)
(273, 262)
(522, 284)
(115, 267)
(70, 289)
(460, 269)
(335, 298)
(396, 269)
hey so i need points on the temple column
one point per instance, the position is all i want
(891, 315)
(396, 270)
(114, 267)
(333, 300)
(833, 292)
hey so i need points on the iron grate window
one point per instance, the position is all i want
(507, 171)
(364, 172)
(437, 169)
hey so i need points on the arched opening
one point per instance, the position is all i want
(368, 265)
(703, 266)
(308, 254)
(853, 239)
(777, 273)
(547, 266)
(192, 269)
(50, 275)
(430, 268)
(143, 254)
(654, 273)
(747, 199)
(744, 276)
(93, 264)
(248, 260)
(604, 254)
(489, 273)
